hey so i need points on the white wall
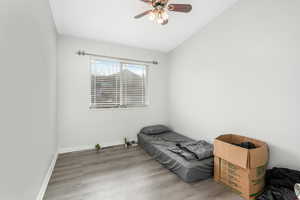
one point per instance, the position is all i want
(240, 74)
(27, 103)
(80, 127)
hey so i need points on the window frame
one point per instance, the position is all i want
(120, 107)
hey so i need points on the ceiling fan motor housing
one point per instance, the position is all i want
(158, 4)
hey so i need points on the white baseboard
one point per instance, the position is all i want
(85, 147)
(47, 178)
(72, 149)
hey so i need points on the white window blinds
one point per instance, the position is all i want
(115, 84)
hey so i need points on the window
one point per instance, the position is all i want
(117, 85)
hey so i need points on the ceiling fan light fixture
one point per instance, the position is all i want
(159, 10)
(159, 15)
(152, 16)
(165, 15)
(160, 20)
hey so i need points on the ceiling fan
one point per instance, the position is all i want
(159, 10)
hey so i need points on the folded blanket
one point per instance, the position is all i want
(201, 149)
(185, 154)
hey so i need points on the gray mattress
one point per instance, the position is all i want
(188, 171)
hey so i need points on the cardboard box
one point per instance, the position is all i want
(241, 169)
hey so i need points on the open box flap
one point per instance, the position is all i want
(245, 158)
(233, 154)
(259, 157)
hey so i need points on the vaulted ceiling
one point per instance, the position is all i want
(112, 21)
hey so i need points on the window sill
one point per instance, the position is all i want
(120, 108)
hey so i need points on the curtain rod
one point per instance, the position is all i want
(83, 53)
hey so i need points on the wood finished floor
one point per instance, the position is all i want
(124, 174)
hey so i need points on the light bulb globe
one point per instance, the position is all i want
(165, 16)
(152, 16)
(160, 20)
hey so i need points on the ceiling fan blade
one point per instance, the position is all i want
(146, 1)
(180, 7)
(143, 14)
(165, 22)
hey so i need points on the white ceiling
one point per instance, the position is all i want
(112, 21)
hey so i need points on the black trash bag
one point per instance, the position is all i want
(246, 145)
(273, 193)
(282, 177)
(280, 184)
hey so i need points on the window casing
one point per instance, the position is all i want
(117, 84)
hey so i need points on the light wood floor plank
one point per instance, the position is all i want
(124, 174)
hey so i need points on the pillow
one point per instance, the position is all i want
(156, 129)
